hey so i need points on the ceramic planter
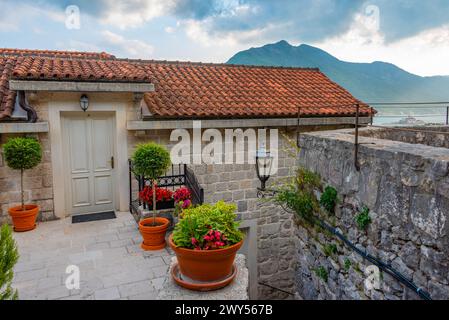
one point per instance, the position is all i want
(207, 267)
(153, 236)
(24, 220)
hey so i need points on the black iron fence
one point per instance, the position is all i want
(176, 176)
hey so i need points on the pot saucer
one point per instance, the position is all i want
(153, 248)
(24, 230)
(190, 284)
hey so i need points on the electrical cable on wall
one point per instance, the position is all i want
(363, 253)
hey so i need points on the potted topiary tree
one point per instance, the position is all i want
(151, 160)
(205, 241)
(22, 154)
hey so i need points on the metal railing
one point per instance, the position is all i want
(409, 105)
(176, 176)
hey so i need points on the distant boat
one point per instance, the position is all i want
(410, 120)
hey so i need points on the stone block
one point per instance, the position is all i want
(42, 194)
(242, 206)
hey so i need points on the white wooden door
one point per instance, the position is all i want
(89, 162)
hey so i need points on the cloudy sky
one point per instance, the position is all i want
(413, 34)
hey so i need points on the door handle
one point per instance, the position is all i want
(112, 162)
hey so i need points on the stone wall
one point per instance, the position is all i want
(406, 188)
(429, 135)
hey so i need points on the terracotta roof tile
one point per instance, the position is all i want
(7, 97)
(55, 53)
(39, 68)
(192, 90)
(214, 91)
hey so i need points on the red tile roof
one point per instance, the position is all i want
(216, 90)
(7, 97)
(38, 68)
(188, 90)
(55, 53)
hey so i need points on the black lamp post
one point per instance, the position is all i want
(84, 102)
(264, 162)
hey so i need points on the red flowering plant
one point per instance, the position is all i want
(214, 239)
(162, 194)
(183, 200)
(182, 194)
(208, 227)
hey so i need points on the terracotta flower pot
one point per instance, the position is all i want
(153, 236)
(205, 265)
(24, 220)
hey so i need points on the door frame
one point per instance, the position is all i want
(65, 103)
(68, 194)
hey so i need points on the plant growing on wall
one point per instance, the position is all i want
(330, 249)
(151, 160)
(363, 219)
(22, 154)
(329, 199)
(8, 258)
(347, 264)
(321, 273)
(299, 194)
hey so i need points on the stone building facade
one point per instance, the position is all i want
(405, 187)
(132, 101)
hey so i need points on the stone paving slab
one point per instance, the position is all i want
(112, 265)
(237, 290)
(108, 254)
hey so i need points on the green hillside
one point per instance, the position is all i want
(370, 82)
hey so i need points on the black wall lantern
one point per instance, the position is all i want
(84, 102)
(264, 162)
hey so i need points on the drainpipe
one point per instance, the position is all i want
(23, 103)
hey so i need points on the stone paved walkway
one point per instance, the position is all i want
(112, 264)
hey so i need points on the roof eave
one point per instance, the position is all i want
(78, 86)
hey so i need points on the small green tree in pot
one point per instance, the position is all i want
(8, 258)
(151, 160)
(22, 153)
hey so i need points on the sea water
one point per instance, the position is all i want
(403, 115)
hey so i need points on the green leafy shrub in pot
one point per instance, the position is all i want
(198, 225)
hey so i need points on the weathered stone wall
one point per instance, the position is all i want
(429, 135)
(406, 188)
(38, 182)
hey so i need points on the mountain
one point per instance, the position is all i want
(370, 82)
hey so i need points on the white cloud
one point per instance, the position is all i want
(170, 29)
(13, 21)
(424, 54)
(199, 32)
(127, 48)
(132, 14)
